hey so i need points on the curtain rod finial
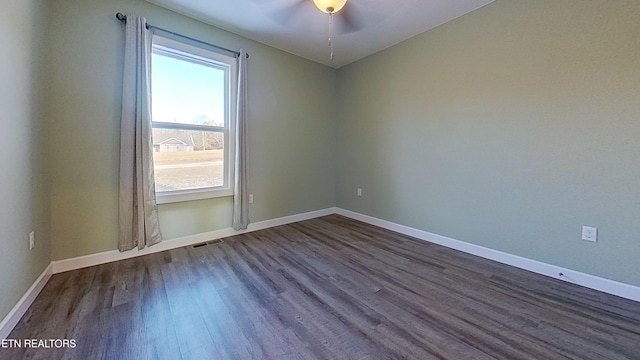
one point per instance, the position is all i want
(121, 17)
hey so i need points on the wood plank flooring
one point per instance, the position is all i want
(327, 288)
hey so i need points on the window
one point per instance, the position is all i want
(192, 91)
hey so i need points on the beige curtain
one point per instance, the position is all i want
(138, 210)
(240, 196)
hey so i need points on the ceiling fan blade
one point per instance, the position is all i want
(283, 12)
(287, 14)
(350, 19)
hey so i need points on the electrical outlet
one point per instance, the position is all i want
(359, 192)
(32, 240)
(589, 233)
(250, 198)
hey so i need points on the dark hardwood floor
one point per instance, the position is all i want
(327, 288)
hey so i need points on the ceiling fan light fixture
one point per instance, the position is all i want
(329, 6)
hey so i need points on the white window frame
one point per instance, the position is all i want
(200, 55)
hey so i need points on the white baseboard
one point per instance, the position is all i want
(576, 277)
(593, 282)
(115, 255)
(12, 318)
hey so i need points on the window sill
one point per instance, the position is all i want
(168, 197)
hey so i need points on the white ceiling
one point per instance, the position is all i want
(298, 27)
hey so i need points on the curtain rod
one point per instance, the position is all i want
(123, 18)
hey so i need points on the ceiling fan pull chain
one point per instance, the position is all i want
(331, 34)
(330, 7)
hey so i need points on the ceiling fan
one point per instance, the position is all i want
(330, 7)
(345, 16)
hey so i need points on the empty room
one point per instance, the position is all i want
(320, 179)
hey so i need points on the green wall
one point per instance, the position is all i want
(291, 142)
(510, 128)
(24, 189)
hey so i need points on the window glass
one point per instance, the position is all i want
(191, 96)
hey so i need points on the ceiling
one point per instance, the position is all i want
(362, 28)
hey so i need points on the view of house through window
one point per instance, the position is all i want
(191, 90)
(186, 159)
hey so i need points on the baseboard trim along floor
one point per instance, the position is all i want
(115, 255)
(590, 281)
(593, 282)
(12, 318)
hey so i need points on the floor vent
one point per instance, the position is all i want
(212, 242)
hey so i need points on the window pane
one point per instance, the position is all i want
(191, 92)
(187, 92)
(185, 159)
